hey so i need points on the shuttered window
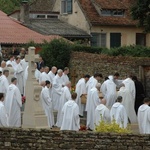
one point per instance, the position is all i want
(66, 6)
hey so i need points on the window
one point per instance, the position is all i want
(115, 39)
(98, 39)
(41, 16)
(112, 12)
(66, 6)
(141, 39)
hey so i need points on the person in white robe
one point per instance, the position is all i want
(65, 96)
(129, 84)
(3, 66)
(37, 73)
(47, 103)
(3, 113)
(102, 113)
(81, 90)
(11, 62)
(65, 77)
(118, 113)
(70, 111)
(52, 73)
(93, 101)
(44, 75)
(144, 117)
(4, 81)
(11, 73)
(93, 81)
(128, 103)
(108, 90)
(19, 74)
(13, 104)
(57, 89)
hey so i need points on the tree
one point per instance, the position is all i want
(141, 11)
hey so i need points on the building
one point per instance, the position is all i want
(107, 21)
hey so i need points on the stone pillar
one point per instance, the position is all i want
(34, 115)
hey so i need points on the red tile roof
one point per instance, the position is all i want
(13, 32)
(95, 18)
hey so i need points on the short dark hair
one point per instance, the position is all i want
(13, 79)
(134, 78)
(4, 71)
(119, 99)
(74, 96)
(98, 75)
(106, 78)
(66, 68)
(47, 82)
(87, 76)
(116, 74)
(1, 95)
(146, 99)
(0, 72)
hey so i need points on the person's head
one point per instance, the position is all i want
(116, 75)
(119, 99)
(41, 69)
(43, 83)
(98, 86)
(18, 59)
(3, 64)
(134, 78)
(6, 72)
(66, 70)
(35, 65)
(46, 69)
(11, 58)
(2, 97)
(40, 59)
(68, 84)
(47, 83)
(74, 96)
(146, 100)
(130, 75)
(14, 80)
(98, 76)
(54, 69)
(60, 72)
(103, 101)
(22, 51)
(106, 78)
(86, 77)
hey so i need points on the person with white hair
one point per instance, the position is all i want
(93, 101)
(57, 86)
(102, 113)
(65, 96)
(3, 65)
(108, 90)
(52, 73)
(44, 75)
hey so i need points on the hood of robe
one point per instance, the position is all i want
(143, 107)
(70, 103)
(117, 104)
(100, 107)
(111, 77)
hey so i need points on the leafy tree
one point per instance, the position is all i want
(141, 11)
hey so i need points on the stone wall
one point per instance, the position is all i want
(29, 139)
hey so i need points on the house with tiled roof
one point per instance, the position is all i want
(108, 21)
(40, 17)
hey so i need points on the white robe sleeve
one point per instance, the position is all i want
(124, 117)
(76, 117)
(46, 97)
(18, 97)
(4, 117)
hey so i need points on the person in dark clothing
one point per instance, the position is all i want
(40, 64)
(139, 94)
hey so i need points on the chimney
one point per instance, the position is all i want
(24, 12)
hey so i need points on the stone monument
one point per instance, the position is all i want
(33, 116)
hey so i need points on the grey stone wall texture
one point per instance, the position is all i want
(30, 139)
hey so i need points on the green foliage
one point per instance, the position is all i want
(141, 12)
(56, 53)
(112, 127)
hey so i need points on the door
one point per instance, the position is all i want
(115, 39)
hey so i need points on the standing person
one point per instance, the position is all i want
(139, 93)
(118, 113)
(4, 81)
(65, 77)
(40, 64)
(3, 113)
(52, 73)
(93, 101)
(13, 104)
(70, 111)
(129, 84)
(81, 90)
(47, 103)
(65, 96)
(44, 75)
(128, 103)
(144, 117)
(57, 89)
(11, 61)
(102, 113)
(108, 90)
